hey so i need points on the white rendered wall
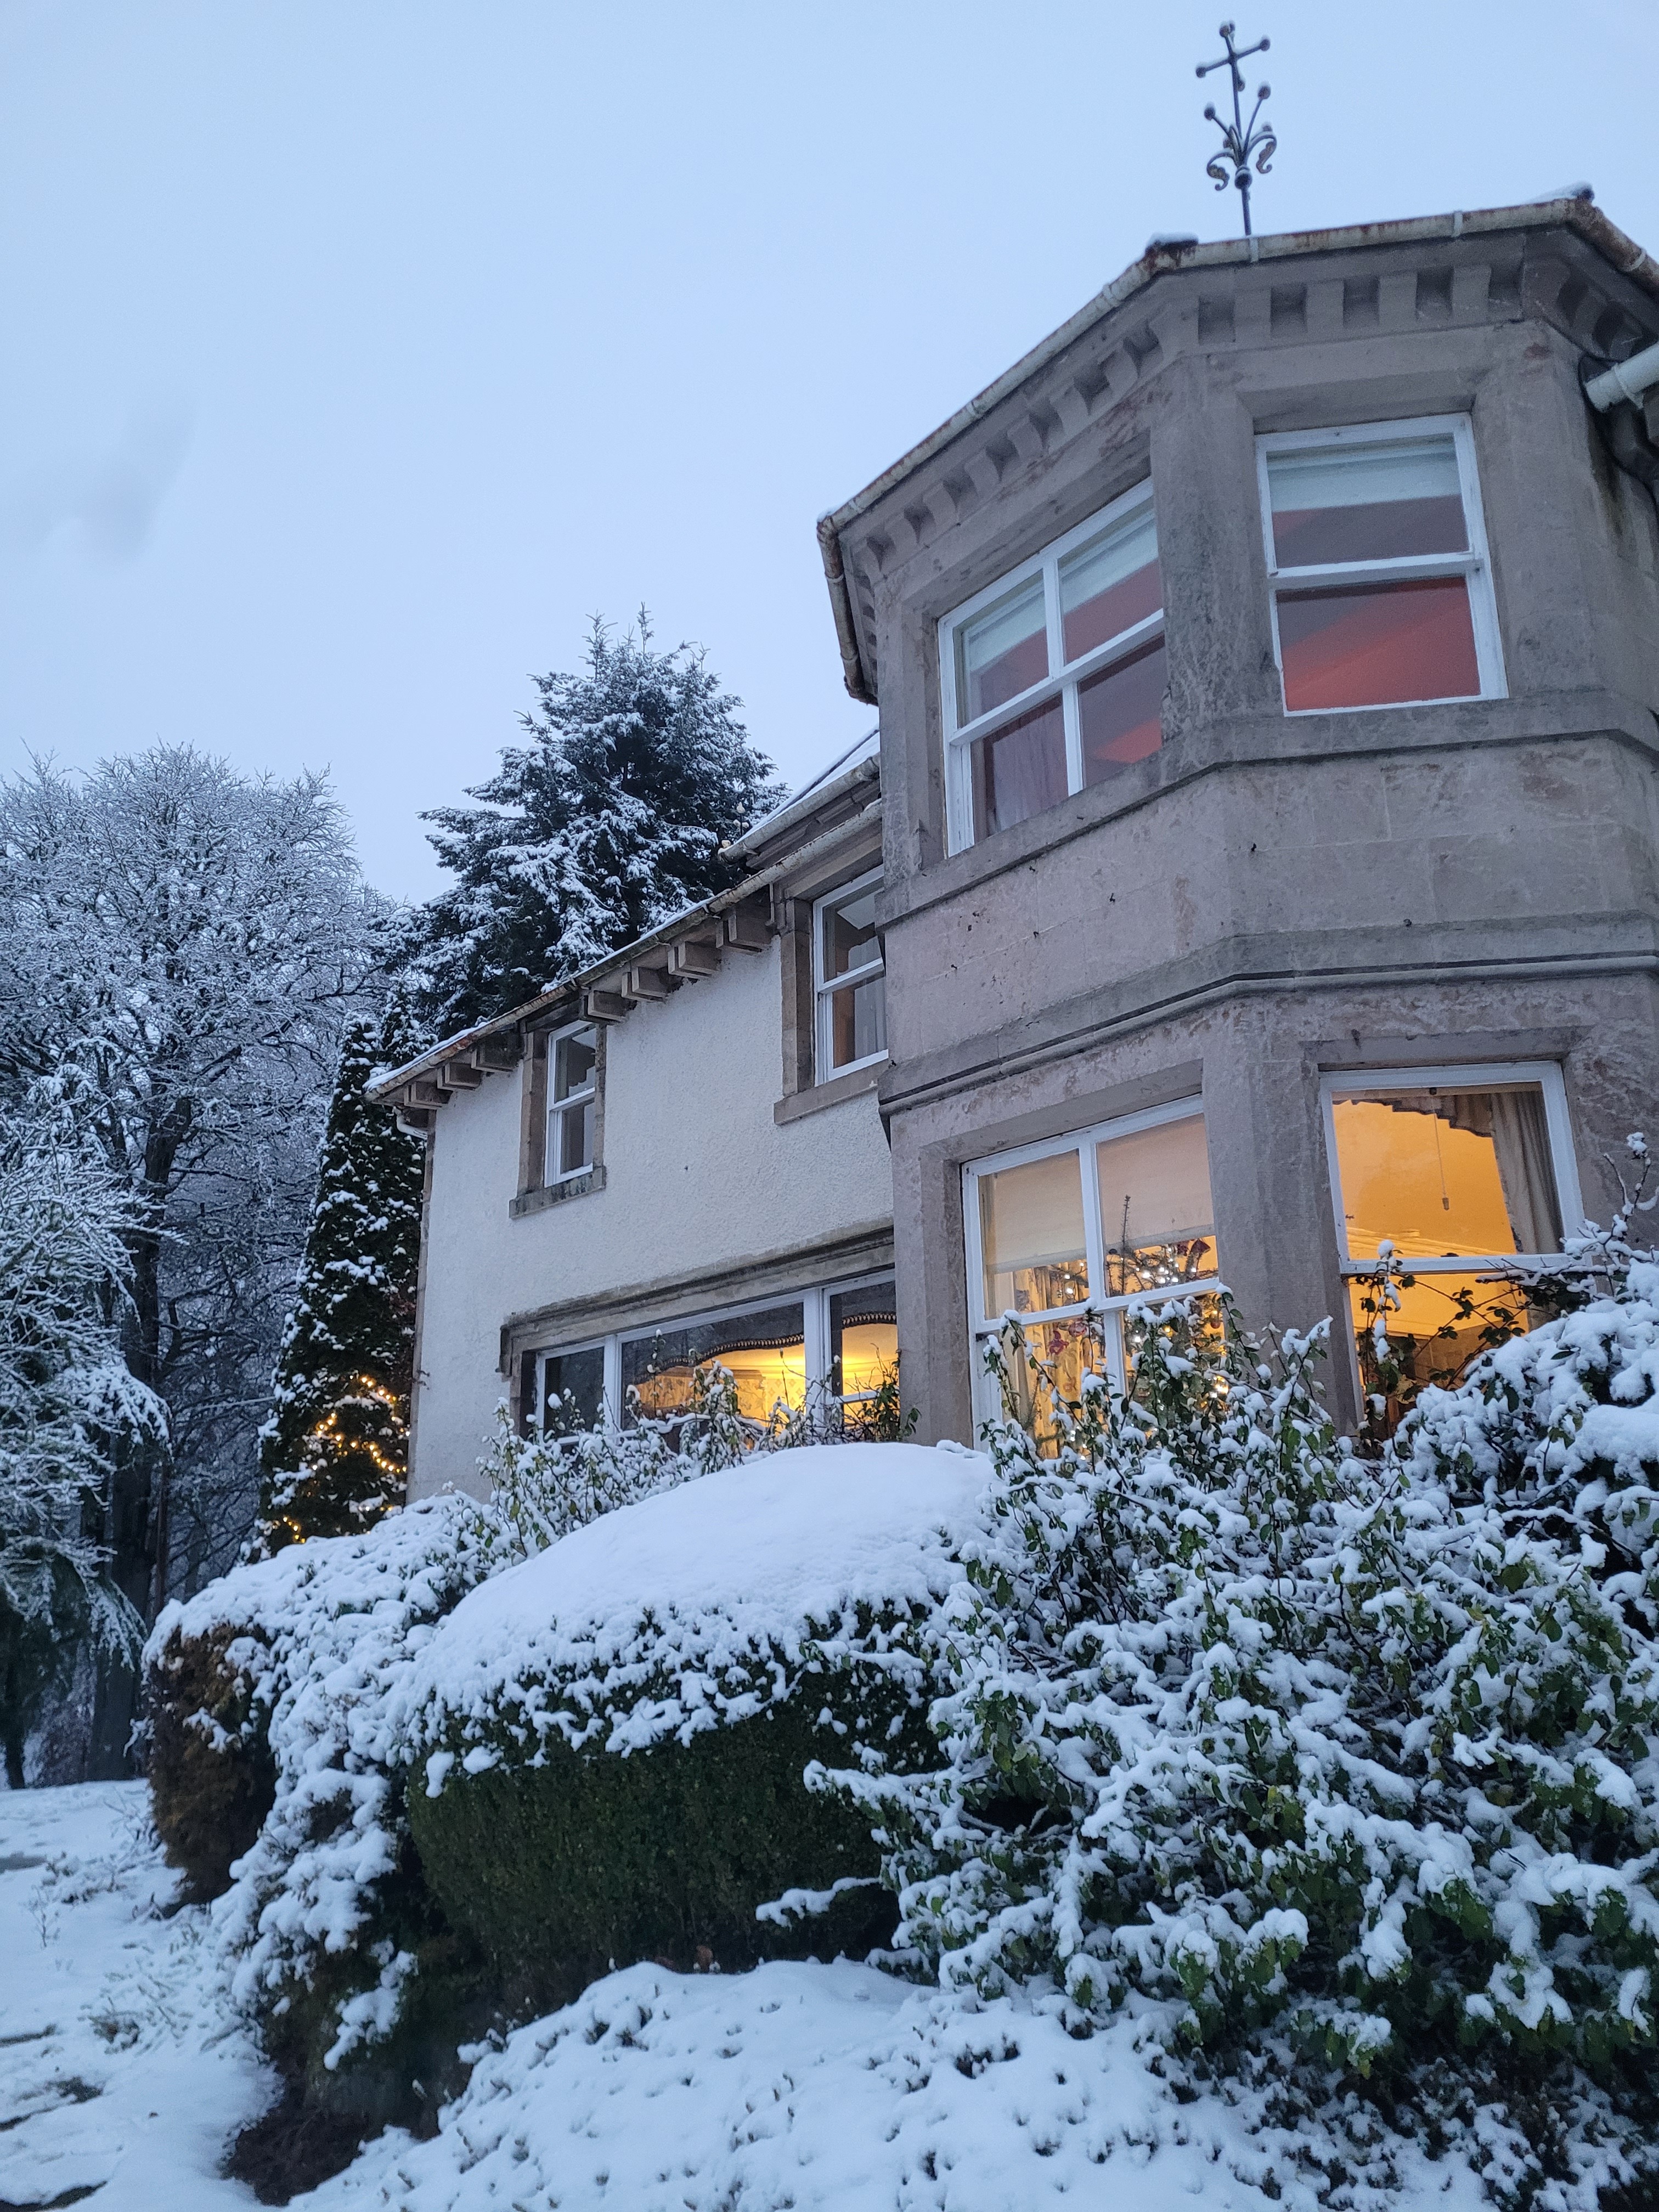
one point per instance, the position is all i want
(698, 1175)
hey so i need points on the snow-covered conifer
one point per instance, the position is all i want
(609, 819)
(69, 1409)
(335, 1450)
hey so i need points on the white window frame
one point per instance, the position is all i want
(558, 1108)
(1062, 678)
(1110, 1312)
(814, 1301)
(1477, 1075)
(1475, 564)
(825, 987)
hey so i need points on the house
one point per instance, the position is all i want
(674, 1158)
(1267, 669)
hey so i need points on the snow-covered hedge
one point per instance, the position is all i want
(613, 1735)
(1276, 1744)
(302, 1660)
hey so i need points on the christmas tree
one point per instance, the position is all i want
(610, 818)
(334, 1451)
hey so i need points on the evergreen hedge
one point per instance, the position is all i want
(589, 1858)
(212, 1776)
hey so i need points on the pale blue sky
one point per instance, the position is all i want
(353, 352)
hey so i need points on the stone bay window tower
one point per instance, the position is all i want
(1269, 677)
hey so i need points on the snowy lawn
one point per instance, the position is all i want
(122, 2080)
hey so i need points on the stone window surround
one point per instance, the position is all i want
(534, 1194)
(824, 986)
(794, 920)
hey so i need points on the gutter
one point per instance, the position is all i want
(1626, 396)
(810, 803)
(1581, 216)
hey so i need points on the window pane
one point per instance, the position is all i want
(1031, 1235)
(574, 1388)
(1122, 713)
(1443, 1173)
(1439, 1325)
(1064, 1351)
(1110, 585)
(858, 1021)
(1021, 771)
(1002, 654)
(849, 934)
(1156, 1217)
(863, 1340)
(572, 1062)
(764, 1353)
(1373, 645)
(1366, 503)
(572, 1147)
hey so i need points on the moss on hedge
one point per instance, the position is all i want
(212, 1784)
(589, 1859)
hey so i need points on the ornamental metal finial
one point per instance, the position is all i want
(1239, 141)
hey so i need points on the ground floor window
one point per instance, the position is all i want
(1074, 1237)
(1463, 1172)
(825, 1354)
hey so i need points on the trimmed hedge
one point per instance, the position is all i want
(211, 1785)
(590, 1859)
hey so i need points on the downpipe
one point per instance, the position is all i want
(1624, 395)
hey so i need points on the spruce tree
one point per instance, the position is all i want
(610, 818)
(334, 1451)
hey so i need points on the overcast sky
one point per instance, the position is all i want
(353, 353)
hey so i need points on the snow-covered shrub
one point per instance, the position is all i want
(304, 1658)
(543, 1486)
(1264, 1739)
(613, 1736)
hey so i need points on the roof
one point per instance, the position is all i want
(859, 765)
(1162, 257)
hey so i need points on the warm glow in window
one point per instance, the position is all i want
(1085, 1243)
(1451, 1174)
(1443, 1174)
(1155, 1207)
(1031, 1233)
(764, 1353)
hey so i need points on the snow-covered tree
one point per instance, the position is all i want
(335, 1450)
(609, 819)
(69, 1412)
(1283, 1747)
(180, 947)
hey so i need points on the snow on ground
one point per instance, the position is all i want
(832, 2088)
(121, 2078)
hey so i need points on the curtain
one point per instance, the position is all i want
(1514, 1121)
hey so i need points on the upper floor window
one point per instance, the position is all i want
(1376, 554)
(1465, 1172)
(1053, 678)
(573, 1060)
(850, 986)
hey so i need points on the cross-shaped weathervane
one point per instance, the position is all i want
(1239, 141)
